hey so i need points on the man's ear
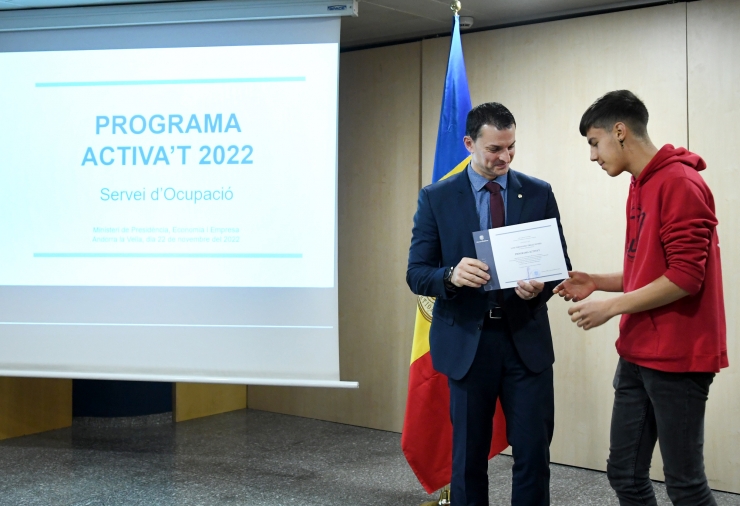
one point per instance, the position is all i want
(469, 143)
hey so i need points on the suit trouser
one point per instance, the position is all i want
(528, 403)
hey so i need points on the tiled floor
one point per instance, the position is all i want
(247, 458)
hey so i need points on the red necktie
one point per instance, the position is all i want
(498, 216)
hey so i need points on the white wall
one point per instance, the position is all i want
(714, 113)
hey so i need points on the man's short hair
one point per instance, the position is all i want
(490, 113)
(614, 107)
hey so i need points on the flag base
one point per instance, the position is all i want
(444, 499)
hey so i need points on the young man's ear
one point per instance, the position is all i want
(620, 132)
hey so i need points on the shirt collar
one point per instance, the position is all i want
(478, 182)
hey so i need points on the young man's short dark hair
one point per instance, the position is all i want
(614, 107)
(490, 113)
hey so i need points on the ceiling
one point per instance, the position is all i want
(387, 21)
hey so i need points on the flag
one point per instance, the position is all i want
(427, 431)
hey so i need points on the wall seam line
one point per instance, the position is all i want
(688, 110)
(421, 112)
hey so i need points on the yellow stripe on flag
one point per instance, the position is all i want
(421, 336)
(460, 167)
(423, 324)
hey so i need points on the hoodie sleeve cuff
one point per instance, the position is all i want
(684, 281)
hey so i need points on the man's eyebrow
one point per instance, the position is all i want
(496, 146)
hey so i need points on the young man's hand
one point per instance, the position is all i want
(579, 286)
(591, 313)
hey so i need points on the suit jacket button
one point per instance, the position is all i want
(480, 327)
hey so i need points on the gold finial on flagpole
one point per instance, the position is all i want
(456, 6)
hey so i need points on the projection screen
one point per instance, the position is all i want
(168, 202)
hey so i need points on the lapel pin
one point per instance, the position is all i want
(520, 195)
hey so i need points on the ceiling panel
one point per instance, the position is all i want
(387, 21)
(379, 24)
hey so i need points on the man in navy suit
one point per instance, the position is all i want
(493, 344)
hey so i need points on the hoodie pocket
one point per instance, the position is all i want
(638, 335)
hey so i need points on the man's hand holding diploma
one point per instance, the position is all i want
(471, 272)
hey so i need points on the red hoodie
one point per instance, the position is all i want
(671, 231)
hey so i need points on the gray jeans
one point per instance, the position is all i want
(652, 405)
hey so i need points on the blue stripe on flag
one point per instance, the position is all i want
(455, 107)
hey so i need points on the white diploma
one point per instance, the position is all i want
(522, 252)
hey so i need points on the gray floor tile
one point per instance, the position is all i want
(244, 458)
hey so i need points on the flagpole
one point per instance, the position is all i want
(444, 496)
(427, 437)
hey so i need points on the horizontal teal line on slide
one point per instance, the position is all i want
(153, 82)
(168, 255)
(204, 325)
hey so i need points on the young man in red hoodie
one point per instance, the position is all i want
(672, 330)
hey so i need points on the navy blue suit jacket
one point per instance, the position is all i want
(445, 220)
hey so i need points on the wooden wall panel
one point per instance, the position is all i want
(379, 107)
(714, 109)
(31, 405)
(548, 74)
(434, 55)
(195, 400)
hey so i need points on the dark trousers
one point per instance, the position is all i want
(528, 403)
(652, 405)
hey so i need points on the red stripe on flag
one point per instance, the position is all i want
(427, 431)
